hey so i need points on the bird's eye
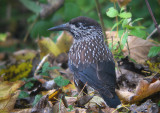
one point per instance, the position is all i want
(77, 25)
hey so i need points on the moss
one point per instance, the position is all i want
(16, 72)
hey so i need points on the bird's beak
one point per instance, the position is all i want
(60, 27)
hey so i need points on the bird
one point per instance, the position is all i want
(90, 59)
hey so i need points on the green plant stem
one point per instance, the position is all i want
(30, 28)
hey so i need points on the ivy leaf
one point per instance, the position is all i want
(37, 99)
(112, 12)
(29, 85)
(54, 67)
(70, 108)
(45, 67)
(154, 51)
(31, 6)
(125, 15)
(60, 81)
(23, 94)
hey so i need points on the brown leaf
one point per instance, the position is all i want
(139, 48)
(83, 100)
(121, 2)
(7, 88)
(147, 107)
(143, 90)
(59, 107)
(43, 106)
(8, 104)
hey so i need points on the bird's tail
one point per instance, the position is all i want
(111, 102)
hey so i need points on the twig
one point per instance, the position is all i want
(128, 47)
(40, 64)
(153, 18)
(101, 19)
(155, 30)
(30, 28)
(82, 89)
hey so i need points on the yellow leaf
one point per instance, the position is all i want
(64, 42)
(9, 94)
(24, 54)
(46, 46)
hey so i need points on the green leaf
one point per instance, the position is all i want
(45, 67)
(32, 18)
(60, 81)
(112, 12)
(70, 108)
(23, 94)
(37, 99)
(71, 10)
(122, 9)
(138, 33)
(120, 33)
(29, 85)
(3, 36)
(116, 24)
(138, 19)
(154, 51)
(124, 39)
(124, 23)
(125, 15)
(43, 1)
(40, 29)
(54, 67)
(31, 6)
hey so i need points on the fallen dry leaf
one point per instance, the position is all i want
(25, 54)
(143, 90)
(64, 42)
(9, 94)
(7, 88)
(59, 107)
(139, 48)
(8, 104)
(46, 46)
(43, 106)
(147, 107)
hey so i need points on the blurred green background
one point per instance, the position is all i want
(21, 18)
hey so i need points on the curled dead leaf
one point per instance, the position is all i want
(143, 90)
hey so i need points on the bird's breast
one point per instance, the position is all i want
(88, 52)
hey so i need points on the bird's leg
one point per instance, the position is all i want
(81, 86)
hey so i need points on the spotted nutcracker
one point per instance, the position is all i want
(90, 60)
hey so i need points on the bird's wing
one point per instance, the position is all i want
(100, 76)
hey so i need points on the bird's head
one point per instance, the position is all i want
(82, 28)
